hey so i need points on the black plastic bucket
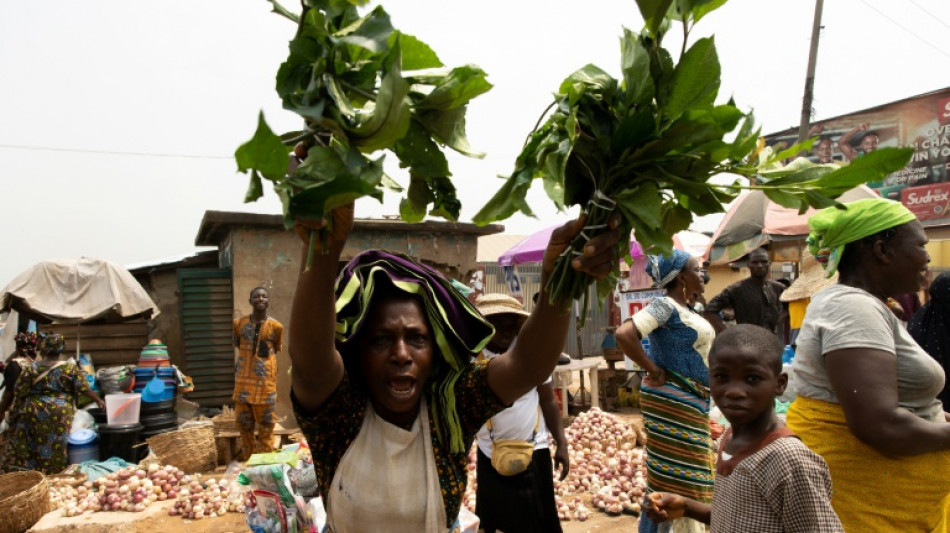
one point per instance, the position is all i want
(160, 421)
(119, 441)
(98, 414)
(155, 408)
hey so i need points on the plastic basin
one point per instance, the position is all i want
(123, 408)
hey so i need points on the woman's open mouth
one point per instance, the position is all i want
(402, 386)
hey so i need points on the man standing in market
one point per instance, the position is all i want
(754, 300)
(521, 501)
(258, 338)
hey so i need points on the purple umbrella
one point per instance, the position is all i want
(531, 249)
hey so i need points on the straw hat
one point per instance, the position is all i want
(496, 303)
(809, 282)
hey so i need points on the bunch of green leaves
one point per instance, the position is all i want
(361, 87)
(646, 146)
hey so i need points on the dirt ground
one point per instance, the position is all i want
(157, 520)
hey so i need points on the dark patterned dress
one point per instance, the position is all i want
(41, 416)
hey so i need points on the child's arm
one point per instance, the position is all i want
(663, 506)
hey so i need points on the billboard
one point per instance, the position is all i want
(922, 122)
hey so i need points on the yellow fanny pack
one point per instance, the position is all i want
(510, 457)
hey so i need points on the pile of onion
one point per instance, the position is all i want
(130, 489)
(606, 469)
(206, 498)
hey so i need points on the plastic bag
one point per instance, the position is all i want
(271, 478)
(290, 458)
(82, 420)
(468, 521)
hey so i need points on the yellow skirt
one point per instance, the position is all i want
(870, 491)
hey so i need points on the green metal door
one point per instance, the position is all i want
(206, 318)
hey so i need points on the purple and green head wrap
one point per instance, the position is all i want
(459, 330)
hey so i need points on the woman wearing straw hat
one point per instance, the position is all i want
(801, 291)
(385, 388)
(676, 389)
(43, 409)
(511, 500)
(866, 390)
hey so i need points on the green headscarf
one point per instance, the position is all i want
(834, 227)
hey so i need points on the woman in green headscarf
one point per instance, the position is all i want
(866, 391)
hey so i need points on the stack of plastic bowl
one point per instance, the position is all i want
(155, 381)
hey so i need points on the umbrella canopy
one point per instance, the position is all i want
(753, 221)
(531, 249)
(77, 291)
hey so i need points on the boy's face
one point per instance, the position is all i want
(507, 326)
(743, 384)
(259, 300)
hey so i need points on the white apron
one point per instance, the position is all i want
(387, 480)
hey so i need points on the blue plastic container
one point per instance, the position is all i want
(82, 446)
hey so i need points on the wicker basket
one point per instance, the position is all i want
(192, 449)
(24, 499)
(225, 422)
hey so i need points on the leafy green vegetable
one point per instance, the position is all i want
(361, 87)
(647, 145)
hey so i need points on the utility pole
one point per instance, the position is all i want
(803, 126)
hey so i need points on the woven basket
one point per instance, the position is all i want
(24, 499)
(192, 449)
(225, 424)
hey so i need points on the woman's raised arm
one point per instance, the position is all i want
(317, 367)
(541, 340)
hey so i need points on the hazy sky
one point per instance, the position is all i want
(118, 118)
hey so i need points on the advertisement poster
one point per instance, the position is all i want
(633, 301)
(922, 122)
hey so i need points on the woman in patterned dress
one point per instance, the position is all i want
(384, 387)
(674, 396)
(43, 409)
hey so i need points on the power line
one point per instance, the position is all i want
(112, 152)
(935, 17)
(901, 26)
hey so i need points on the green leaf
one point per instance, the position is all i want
(389, 120)
(785, 199)
(264, 153)
(555, 168)
(695, 79)
(370, 32)
(509, 199)
(457, 89)
(589, 77)
(413, 207)
(872, 166)
(449, 128)
(420, 153)
(416, 54)
(633, 131)
(653, 13)
(645, 202)
(676, 218)
(255, 188)
(792, 151)
(635, 65)
(445, 204)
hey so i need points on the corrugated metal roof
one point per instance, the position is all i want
(490, 247)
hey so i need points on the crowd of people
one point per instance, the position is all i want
(395, 374)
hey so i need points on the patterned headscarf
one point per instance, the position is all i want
(52, 344)
(834, 227)
(459, 330)
(26, 343)
(663, 268)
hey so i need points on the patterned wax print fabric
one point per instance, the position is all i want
(248, 415)
(779, 487)
(676, 414)
(255, 372)
(41, 416)
(680, 338)
(332, 428)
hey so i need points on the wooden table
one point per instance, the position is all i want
(590, 364)
(230, 446)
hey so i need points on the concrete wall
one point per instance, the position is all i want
(163, 289)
